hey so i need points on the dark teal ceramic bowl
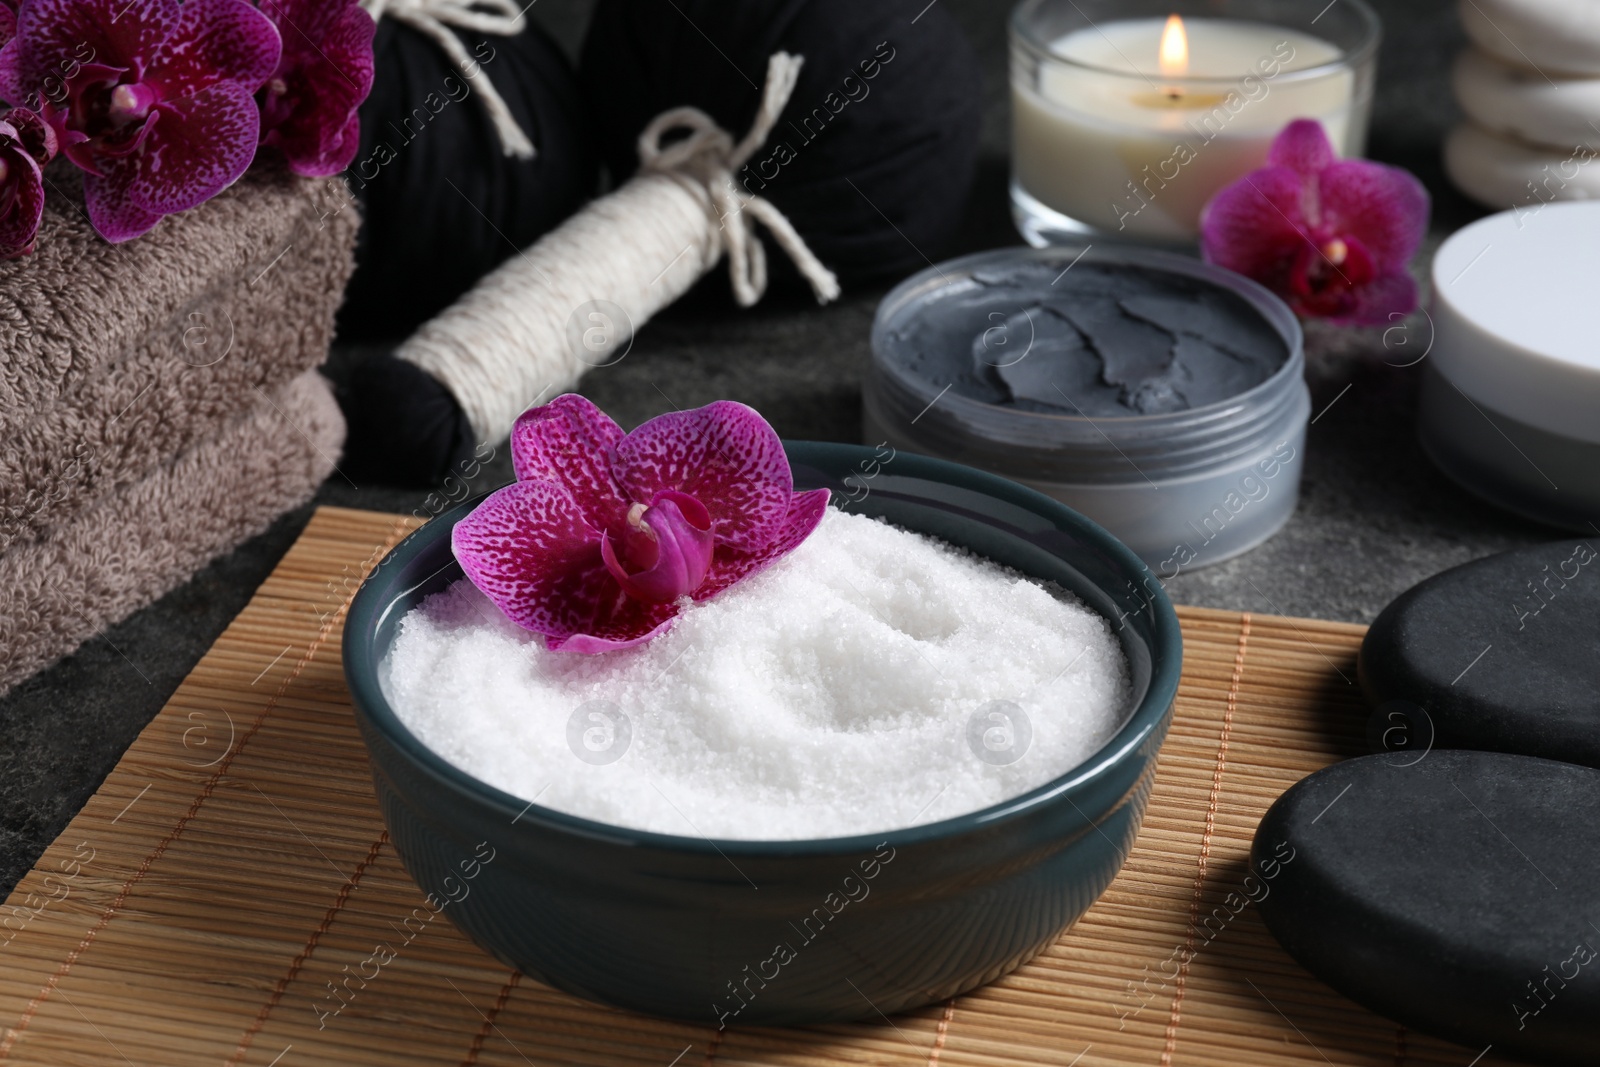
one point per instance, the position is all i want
(780, 932)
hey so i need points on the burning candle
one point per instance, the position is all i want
(1128, 126)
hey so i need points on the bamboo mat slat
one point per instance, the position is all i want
(233, 870)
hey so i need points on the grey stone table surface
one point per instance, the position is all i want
(1374, 517)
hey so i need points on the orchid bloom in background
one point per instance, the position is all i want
(604, 534)
(27, 143)
(153, 99)
(1330, 236)
(8, 22)
(308, 106)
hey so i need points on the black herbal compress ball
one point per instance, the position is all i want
(890, 99)
(442, 203)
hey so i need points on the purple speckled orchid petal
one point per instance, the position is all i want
(54, 36)
(1255, 224)
(597, 543)
(314, 147)
(529, 549)
(617, 620)
(113, 215)
(725, 456)
(337, 153)
(200, 146)
(329, 156)
(36, 136)
(339, 31)
(215, 41)
(14, 82)
(570, 441)
(1330, 236)
(1303, 147)
(1384, 207)
(8, 22)
(1383, 301)
(309, 107)
(730, 566)
(182, 124)
(22, 193)
(78, 146)
(677, 550)
(590, 646)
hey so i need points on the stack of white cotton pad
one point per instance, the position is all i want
(1530, 86)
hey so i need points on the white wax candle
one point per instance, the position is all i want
(1112, 141)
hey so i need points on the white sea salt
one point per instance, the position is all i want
(872, 679)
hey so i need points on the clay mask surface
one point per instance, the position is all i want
(1092, 340)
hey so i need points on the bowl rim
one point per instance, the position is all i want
(366, 611)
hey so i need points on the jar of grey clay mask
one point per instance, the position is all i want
(1158, 395)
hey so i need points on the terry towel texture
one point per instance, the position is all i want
(130, 546)
(115, 358)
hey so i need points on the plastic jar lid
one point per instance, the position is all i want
(1516, 314)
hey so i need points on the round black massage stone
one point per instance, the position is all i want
(1458, 895)
(1501, 654)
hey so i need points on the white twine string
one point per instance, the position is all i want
(709, 156)
(434, 18)
(531, 328)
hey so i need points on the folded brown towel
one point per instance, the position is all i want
(130, 546)
(114, 358)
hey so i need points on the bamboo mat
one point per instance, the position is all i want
(233, 865)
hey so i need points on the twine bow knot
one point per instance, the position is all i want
(708, 158)
(435, 19)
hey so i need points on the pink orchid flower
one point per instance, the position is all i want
(604, 534)
(27, 143)
(309, 105)
(1330, 236)
(8, 22)
(152, 98)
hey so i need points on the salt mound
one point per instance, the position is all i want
(872, 679)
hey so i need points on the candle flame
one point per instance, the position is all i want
(1174, 49)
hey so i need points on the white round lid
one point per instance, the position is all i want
(1516, 312)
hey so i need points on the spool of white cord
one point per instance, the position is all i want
(531, 328)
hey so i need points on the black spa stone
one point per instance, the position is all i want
(1459, 896)
(1501, 654)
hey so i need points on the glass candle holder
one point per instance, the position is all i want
(1128, 115)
